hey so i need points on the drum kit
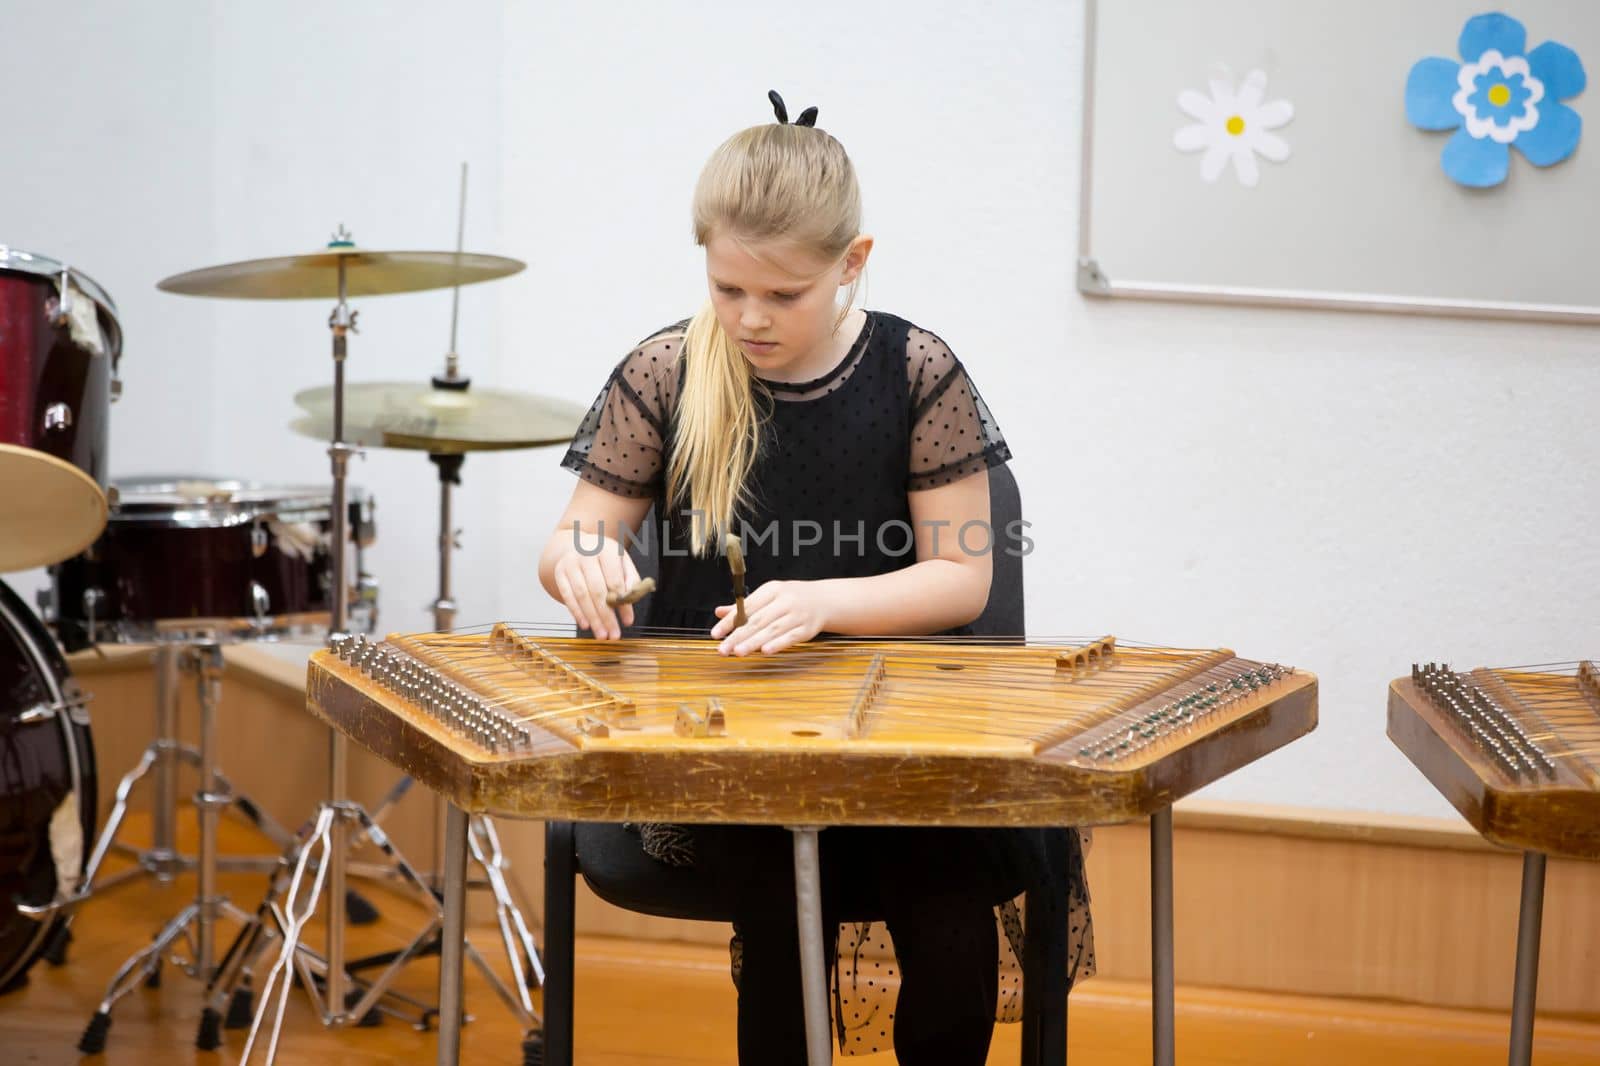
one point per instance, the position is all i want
(188, 565)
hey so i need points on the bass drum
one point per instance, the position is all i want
(48, 791)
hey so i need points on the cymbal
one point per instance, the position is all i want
(316, 275)
(421, 417)
(53, 510)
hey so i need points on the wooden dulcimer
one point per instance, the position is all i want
(1516, 751)
(927, 732)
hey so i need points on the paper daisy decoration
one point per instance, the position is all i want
(1234, 124)
(1501, 96)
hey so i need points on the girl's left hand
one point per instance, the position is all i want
(777, 614)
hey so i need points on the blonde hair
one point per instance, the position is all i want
(770, 182)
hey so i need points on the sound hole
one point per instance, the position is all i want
(950, 666)
(805, 732)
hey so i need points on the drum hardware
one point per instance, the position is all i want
(92, 598)
(195, 924)
(261, 602)
(75, 707)
(516, 936)
(161, 860)
(246, 550)
(341, 270)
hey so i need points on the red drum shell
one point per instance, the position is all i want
(56, 375)
(251, 563)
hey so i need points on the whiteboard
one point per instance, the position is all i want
(1361, 214)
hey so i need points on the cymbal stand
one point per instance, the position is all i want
(482, 840)
(323, 841)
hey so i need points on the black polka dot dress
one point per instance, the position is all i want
(838, 455)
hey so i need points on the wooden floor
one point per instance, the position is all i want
(643, 1004)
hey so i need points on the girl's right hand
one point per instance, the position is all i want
(584, 580)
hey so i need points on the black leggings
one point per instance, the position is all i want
(935, 889)
(947, 951)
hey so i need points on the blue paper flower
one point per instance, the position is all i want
(1499, 96)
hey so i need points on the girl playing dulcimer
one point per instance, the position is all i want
(845, 448)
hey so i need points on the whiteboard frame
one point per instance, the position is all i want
(1093, 281)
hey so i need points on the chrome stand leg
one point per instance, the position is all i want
(455, 935)
(316, 853)
(160, 762)
(813, 967)
(208, 804)
(527, 972)
(1161, 969)
(141, 967)
(196, 923)
(297, 911)
(108, 835)
(163, 813)
(1529, 918)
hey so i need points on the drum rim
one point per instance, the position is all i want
(154, 498)
(56, 673)
(25, 262)
(43, 266)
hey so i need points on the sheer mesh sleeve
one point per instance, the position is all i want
(953, 435)
(621, 444)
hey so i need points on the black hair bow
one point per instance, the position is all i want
(808, 117)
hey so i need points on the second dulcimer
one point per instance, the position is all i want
(834, 732)
(1515, 750)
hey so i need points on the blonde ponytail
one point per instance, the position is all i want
(716, 432)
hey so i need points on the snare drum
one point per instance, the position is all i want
(195, 559)
(59, 347)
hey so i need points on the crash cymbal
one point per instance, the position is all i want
(316, 275)
(52, 511)
(395, 414)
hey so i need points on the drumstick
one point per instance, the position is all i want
(621, 597)
(736, 567)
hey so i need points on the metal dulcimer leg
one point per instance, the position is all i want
(813, 964)
(1161, 968)
(1530, 917)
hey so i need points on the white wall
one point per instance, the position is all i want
(188, 134)
(1342, 492)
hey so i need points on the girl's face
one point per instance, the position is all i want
(777, 301)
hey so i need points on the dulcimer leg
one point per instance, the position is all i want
(813, 967)
(1161, 969)
(452, 947)
(1529, 918)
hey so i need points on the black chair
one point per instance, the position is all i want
(637, 882)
